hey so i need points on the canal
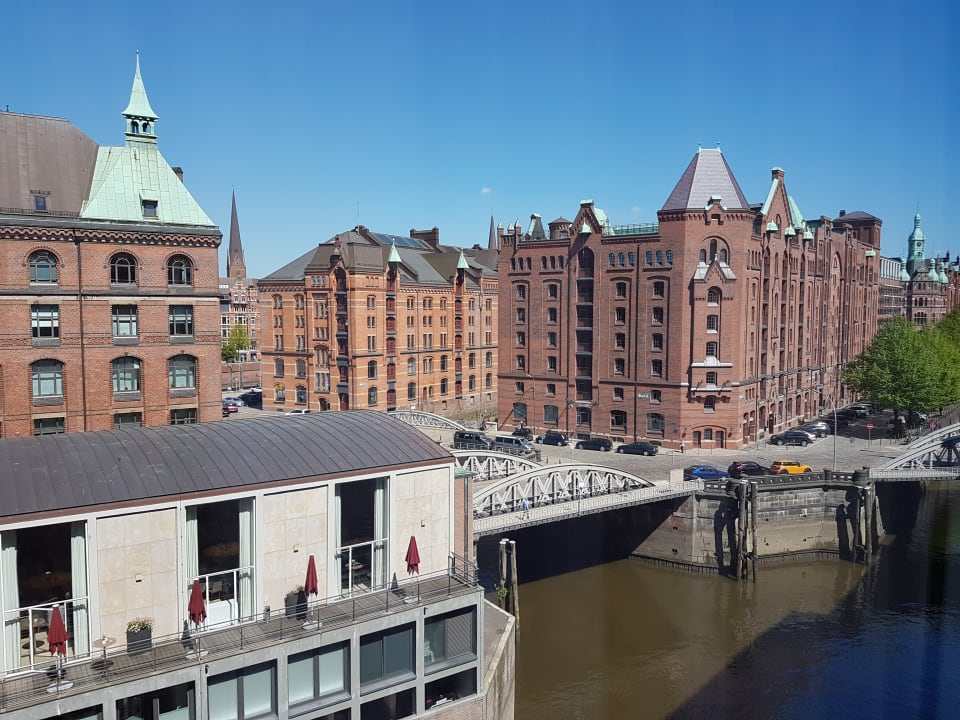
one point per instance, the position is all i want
(602, 637)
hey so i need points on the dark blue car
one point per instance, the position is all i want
(703, 472)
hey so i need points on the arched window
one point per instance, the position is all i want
(713, 296)
(47, 378)
(513, 263)
(411, 366)
(371, 302)
(712, 350)
(411, 391)
(301, 394)
(126, 375)
(443, 386)
(372, 370)
(703, 256)
(722, 256)
(669, 257)
(543, 262)
(713, 249)
(659, 257)
(620, 259)
(372, 396)
(649, 257)
(43, 267)
(443, 363)
(301, 368)
(713, 323)
(710, 404)
(712, 378)
(553, 262)
(631, 259)
(488, 359)
(278, 367)
(561, 262)
(180, 271)
(613, 259)
(123, 270)
(182, 372)
(472, 383)
(488, 380)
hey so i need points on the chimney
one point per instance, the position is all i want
(178, 171)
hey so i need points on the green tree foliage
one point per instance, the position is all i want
(238, 340)
(906, 369)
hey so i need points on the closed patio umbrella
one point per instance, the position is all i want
(312, 587)
(413, 557)
(197, 610)
(57, 637)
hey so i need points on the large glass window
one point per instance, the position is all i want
(45, 321)
(182, 370)
(183, 416)
(126, 375)
(362, 532)
(181, 320)
(172, 703)
(655, 423)
(387, 655)
(319, 675)
(180, 271)
(124, 321)
(43, 267)
(47, 379)
(123, 269)
(243, 694)
(49, 426)
(450, 638)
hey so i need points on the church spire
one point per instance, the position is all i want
(492, 241)
(139, 116)
(236, 267)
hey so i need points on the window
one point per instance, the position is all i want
(488, 380)
(620, 259)
(372, 396)
(472, 383)
(372, 370)
(632, 258)
(656, 396)
(181, 320)
(521, 339)
(319, 674)
(551, 414)
(658, 315)
(551, 315)
(40, 203)
(649, 257)
(127, 420)
(584, 416)
(620, 315)
(43, 267)
(411, 391)
(411, 366)
(713, 296)
(711, 378)
(180, 271)
(278, 367)
(450, 638)
(183, 416)
(520, 411)
(472, 361)
(126, 375)
(371, 302)
(620, 340)
(279, 393)
(521, 315)
(618, 419)
(669, 257)
(243, 694)
(301, 368)
(520, 388)
(710, 404)
(658, 287)
(656, 341)
(712, 350)
(551, 339)
(443, 386)
(488, 360)
(655, 423)
(123, 269)
(49, 426)
(553, 291)
(621, 289)
(387, 655)
(612, 259)
(618, 393)
(45, 321)
(182, 372)
(47, 379)
(551, 389)
(149, 208)
(656, 368)
(521, 362)
(619, 365)
(124, 321)
(713, 323)
(521, 291)
(551, 363)
(659, 257)
(443, 363)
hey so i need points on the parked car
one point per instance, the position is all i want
(703, 472)
(230, 406)
(638, 448)
(792, 437)
(789, 467)
(471, 440)
(299, 411)
(552, 437)
(523, 432)
(594, 444)
(235, 400)
(252, 399)
(818, 430)
(513, 444)
(842, 422)
(747, 467)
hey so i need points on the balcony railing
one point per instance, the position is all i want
(174, 652)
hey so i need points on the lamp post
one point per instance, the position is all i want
(834, 409)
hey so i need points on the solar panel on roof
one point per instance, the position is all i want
(400, 240)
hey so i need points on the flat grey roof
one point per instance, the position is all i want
(57, 473)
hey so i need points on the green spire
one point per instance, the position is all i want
(394, 255)
(139, 115)
(462, 262)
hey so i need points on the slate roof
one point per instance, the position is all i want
(73, 471)
(707, 174)
(856, 215)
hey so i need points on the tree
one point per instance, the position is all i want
(904, 368)
(238, 340)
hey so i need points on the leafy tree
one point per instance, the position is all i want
(239, 340)
(904, 368)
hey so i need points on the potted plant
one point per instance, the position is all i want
(139, 634)
(295, 603)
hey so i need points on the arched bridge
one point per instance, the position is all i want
(936, 454)
(425, 419)
(490, 464)
(558, 492)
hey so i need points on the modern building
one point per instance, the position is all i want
(112, 530)
(892, 289)
(108, 281)
(722, 322)
(377, 321)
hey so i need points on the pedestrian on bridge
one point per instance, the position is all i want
(525, 505)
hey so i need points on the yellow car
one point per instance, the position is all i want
(789, 467)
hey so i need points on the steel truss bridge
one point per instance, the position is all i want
(933, 455)
(425, 419)
(549, 493)
(490, 464)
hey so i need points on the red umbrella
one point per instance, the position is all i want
(57, 634)
(413, 556)
(196, 606)
(311, 586)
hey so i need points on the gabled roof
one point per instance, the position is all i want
(294, 270)
(856, 215)
(73, 471)
(707, 175)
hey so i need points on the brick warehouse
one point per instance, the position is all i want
(108, 281)
(721, 323)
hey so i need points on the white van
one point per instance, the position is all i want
(513, 444)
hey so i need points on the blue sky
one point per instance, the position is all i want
(405, 114)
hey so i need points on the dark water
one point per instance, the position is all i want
(813, 640)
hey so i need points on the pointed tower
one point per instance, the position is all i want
(492, 240)
(915, 246)
(236, 267)
(139, 117)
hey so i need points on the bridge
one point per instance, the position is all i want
(491, 464)
(934, 455)
(551, 493)
(425, 419)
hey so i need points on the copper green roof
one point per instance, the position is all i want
(139, 105)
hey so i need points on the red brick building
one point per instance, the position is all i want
(722, 322)
(108, 281)
(375, 321)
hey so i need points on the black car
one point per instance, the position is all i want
(842, 422)
(819, 429)
(792, 437)
(746, 467)
(552, 437)
(594, 444)
(638, 448)
(523, 432)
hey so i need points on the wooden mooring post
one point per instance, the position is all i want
(741, 565)
(754, 515)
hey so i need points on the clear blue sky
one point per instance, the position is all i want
(408, 114)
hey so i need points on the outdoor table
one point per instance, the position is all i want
(103, 643)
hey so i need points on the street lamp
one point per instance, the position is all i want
(834, 409)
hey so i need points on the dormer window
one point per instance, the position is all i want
(40, 203)
(149, 208)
